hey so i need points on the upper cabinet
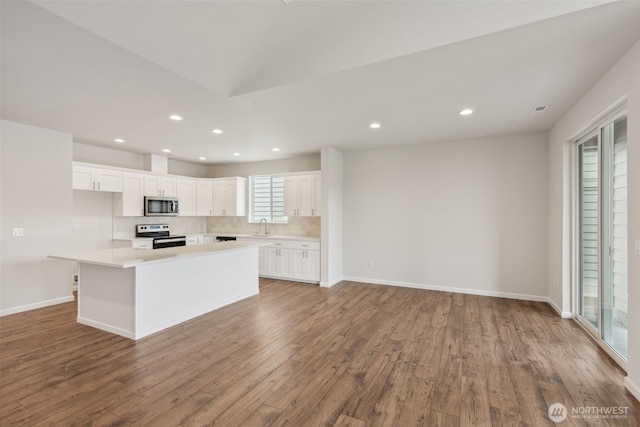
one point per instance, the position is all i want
(229, 197)
(204, 197)
(130, 201)
(303, 195)
(156, 185)
(186, 192)
(95, 179)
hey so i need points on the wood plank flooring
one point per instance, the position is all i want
(299, 355)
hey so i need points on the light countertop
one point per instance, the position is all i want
(267, 236)
(129, 257)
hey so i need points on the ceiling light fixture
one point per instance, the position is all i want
(374, 125)
(119, 140)
(217, 131)
(466, 112)
(539, 110)
(175, 117)
(166, 150)
(276, 149)
(236, 154)
(202, 158)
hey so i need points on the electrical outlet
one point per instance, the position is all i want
(18, 232)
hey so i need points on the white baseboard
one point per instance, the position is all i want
(632, 388)
(482, 292)
(41, 304)
(561, 313)
(331, 283)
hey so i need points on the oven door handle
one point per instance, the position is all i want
(177, 239)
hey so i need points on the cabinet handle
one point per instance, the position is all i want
(94, 185)
(312, 213)
(98, 185)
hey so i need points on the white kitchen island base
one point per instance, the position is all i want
(163, 289)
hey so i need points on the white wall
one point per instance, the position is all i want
(36, 195)
(623, 80)
(332, 217)
(92, 220)
(468, 216)
(298, 164)
(113, 157)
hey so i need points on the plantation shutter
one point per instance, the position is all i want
(267, 198)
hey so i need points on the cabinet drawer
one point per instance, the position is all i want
(305, 245)
(142, 244)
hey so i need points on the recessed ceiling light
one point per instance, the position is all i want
(275, 149)
(166, 150)
(466, 112)
(236, 154)
(119, 140)
(202, 158)
(175, 117)
(217, 131)
(374, 125)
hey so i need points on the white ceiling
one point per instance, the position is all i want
(302, 76)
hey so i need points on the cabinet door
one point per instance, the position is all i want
(130, 201)
(219, 198)
(291, 196)
(152, 186)
(169, 187)
(204, 198)
(109, 180)
(305, 195)
(286, 262)
(83, 178)
(306, 265)
(160, 186)
(313, 263)
(298, 267)
(186, 192)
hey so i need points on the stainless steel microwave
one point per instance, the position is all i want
(161, 206)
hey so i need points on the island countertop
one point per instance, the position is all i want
(129, 257)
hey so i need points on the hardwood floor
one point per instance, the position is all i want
(299, 355)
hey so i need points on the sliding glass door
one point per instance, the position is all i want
(602, 233)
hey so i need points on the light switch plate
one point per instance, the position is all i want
(18, 232)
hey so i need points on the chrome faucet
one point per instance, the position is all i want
(266, 225)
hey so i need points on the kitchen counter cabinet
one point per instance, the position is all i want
(292, 258)
(137, 292)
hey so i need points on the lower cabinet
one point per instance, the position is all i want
(297, 260)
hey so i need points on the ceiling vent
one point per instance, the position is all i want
(539, 110)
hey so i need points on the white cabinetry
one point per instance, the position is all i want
(204, 198)
(90, 178)
(164, 186)
(229, 196)
(142, 244)
(130, 201)
(302, 195)
(297, 260)
(186, 193)
(195, 239)
(306, 262)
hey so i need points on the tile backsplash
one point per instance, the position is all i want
(297, 226)
(125, 227)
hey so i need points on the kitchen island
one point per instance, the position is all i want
(137, 292)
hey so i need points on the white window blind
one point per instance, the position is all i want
(267, 198)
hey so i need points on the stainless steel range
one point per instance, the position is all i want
(161, 234)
